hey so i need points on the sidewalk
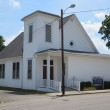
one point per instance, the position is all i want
(69, 93)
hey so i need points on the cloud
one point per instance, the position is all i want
(92, 30)
(100, 15)
(11, 38)
(14, 3)
(100, 44)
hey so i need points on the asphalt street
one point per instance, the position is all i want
(19, 101)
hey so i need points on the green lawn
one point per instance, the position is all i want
(89, 89)
(22, 90)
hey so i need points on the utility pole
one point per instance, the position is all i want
(62, 50)
(62, 55)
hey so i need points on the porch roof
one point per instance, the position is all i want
(57, 52)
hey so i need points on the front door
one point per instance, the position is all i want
(45, 69)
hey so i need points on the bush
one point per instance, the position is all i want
(85, 85)
(106, 84)
(88, 84)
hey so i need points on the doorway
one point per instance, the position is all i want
(45, 70)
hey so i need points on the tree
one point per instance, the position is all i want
(105, 30)
(2, 46)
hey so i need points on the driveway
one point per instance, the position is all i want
(20, 101)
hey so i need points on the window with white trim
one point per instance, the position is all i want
(2, 71)
(48, 29)
(16, 70)
(30, 69)
(45, 69)
(30, 33)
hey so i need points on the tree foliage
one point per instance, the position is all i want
(105, 30)
(2, 46)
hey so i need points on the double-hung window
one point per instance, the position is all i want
(16, 68)
(2, 71)
(48, 29)
(30, 33)
(30, 69)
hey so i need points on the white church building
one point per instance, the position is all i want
(33, 59)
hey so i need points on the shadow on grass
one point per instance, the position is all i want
(21, 91)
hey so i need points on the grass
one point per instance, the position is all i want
(22, 90)
(1, 102)
(89, 88)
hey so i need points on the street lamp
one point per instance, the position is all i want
(62, 50)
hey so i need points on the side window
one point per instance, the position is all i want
(16, 68)
(29, 69)
(48, 33)
(30, 33)
(2, 71)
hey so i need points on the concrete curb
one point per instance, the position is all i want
(79, 93)
(86, 93)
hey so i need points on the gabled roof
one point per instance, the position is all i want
(42, 12)
(66, 19)
(85, 34)
(14, 49)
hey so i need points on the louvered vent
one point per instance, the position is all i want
(30, 33)
(48, 33)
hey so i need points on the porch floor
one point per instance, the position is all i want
(46, 90)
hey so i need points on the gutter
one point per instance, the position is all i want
(11, 58)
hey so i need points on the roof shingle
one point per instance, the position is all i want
(14, 49)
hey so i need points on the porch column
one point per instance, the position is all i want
(48, 71)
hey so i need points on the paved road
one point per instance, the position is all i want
(16, 101)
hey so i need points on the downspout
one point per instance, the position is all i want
(22, 75)
(22, 62)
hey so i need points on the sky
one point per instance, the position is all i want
(12, 11)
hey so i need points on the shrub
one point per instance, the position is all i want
(88, 84)
(85, 85)
(106, 84)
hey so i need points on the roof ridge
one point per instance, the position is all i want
(43, 12)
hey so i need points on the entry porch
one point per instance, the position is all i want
(49, 71)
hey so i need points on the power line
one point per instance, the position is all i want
(43, 26)
(67, 13)
(87, 11)
(70, 13)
